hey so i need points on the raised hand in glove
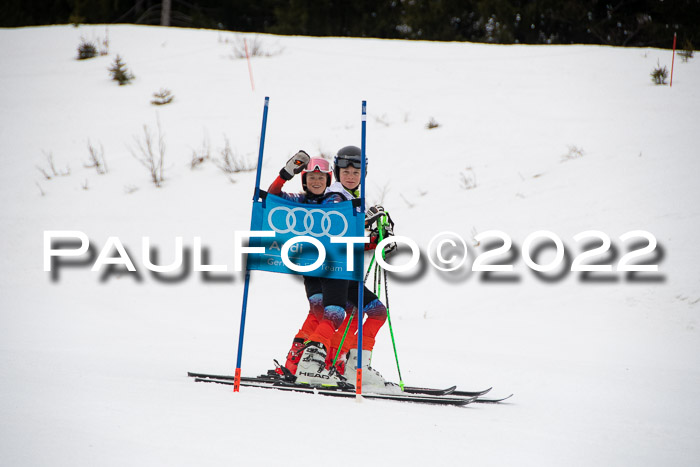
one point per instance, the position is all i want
(294, 165)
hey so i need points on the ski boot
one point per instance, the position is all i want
(372, 380)
(312, 371)
(294, 355)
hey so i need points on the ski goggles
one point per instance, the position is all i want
(343, 163)
(318, 165)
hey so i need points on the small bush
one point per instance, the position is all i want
(467, 179)
(381, 194)
(256, 48)
(150, 156)
(97, 159)
(120, 73)
(201, 156)
(408, 202)
(162, 97)
(574, 153)
(659, 74)
(76, 20)
(86, 49)
(383, 120)
(231, 163)
(687, 52)
(104, 49)
(52, 172)
(432, 123)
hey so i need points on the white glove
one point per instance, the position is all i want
(294, 165)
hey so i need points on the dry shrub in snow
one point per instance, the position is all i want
(432, 123)
(229, 162)
(380, 194)
(382, 120)
(97, 159)
(86, 49)
(467, 179)
(150, 156)
(91, 48)
(574, 152)
(659, 74)
(687, 52)
(52, 172)
(202, 155)
(162, 97)
(256, 48)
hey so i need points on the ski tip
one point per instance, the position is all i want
(471, 393)
(461, 402)
(494, 401)
(504, 398)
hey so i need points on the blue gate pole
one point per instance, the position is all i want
(361, 284)
(246, 286)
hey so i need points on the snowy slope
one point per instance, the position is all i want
(604, 372)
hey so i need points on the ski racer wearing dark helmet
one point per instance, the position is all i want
(348, 156)
(347, 169)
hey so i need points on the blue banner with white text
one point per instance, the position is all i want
(318, 224)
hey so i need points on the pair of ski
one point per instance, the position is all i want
(272, 380)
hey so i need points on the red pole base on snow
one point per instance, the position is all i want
(237, 380)
(358, 382)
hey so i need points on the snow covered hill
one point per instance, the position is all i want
(605, 367)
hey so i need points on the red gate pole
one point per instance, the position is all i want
(250, 68)
(673, 59)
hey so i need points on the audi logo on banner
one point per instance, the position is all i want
(302, 221)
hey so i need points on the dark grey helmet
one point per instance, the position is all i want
(348, 156)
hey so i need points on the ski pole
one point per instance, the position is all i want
(342, 340)
(382, 222)
(352, 315)
(369, 268)
(377, 281)
(391, 329)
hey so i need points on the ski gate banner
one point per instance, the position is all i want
(305, 233)
(301, 224)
